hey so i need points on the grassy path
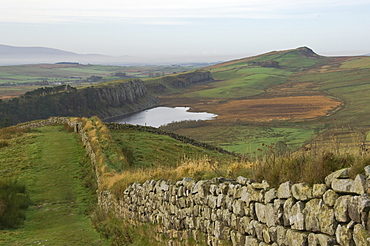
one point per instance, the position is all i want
(58, 194)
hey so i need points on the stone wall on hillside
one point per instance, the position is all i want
(249, 213)
(242, 211)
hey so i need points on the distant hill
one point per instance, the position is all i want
(12, 55)
(12, 51)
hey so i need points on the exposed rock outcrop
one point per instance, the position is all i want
(105, 101)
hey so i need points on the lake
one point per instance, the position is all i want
(163, 115)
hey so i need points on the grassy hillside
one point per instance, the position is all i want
(51, 164)
(296, 94)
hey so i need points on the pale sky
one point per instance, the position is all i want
(187, 27)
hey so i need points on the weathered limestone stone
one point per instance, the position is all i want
(222, 188)
(212, 189)
(296, 238)
(358, 207)
(281, 235)
(245, 195)
(318, 190)
(244, 224)
(284, 190)
(261, 186)
(201, 187)
(256, 195)
(319, 217)
(359, 185)
(221, 199)
(266, 235)
(342, 185)
(344, 236)
(238, 207)
(287, 207)
(265, 213)
(341, 208)
(273, 233)
(297, 219)
(270, 216)
(270, 195)
(330, 197)
(279, 211)
(261, 231)
(301, 191)
(320, 239)
(244, 181)
(360, 235)
(340, 174)
(212, 201)
(367, 172)
(260, 212)
(235, 222)
(237, 238)
(251, 241)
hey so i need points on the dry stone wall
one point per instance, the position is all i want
(245, 212)
(249, 213)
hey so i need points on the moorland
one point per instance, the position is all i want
(286, 115)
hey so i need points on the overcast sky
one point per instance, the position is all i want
(187, 27)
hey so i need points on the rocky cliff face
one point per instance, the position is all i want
(105, 101)
(124, 98)
(196, 77)
(163, 84)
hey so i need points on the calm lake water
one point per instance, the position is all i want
(163, 115)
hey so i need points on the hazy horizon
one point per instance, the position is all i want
(204, 29)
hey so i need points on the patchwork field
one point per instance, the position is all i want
(269, 109)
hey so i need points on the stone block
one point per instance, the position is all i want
(340, 174)
(341, 208)
(330, 197)
(360, 235)
(359, 185)
(358, 207)
(244, 181)
(297, 218)
(344, 236)
(284, 190)
(270, 195)
(251, 241)
(301, 191)
(318, 190)
(238, 207)
(342, 185)
(296, 238)
(320, 239)
(281, 235)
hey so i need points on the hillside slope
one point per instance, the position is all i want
(291, 96)
(50, 162)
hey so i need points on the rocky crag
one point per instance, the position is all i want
(105, 101)
(182, 80)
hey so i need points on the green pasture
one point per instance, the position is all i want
(242, 138)
(69, 74)
(50, 162)
(148, 150)
(241, 82)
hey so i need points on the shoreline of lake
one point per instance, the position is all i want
(159, 116)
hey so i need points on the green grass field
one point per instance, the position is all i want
(50, 165)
